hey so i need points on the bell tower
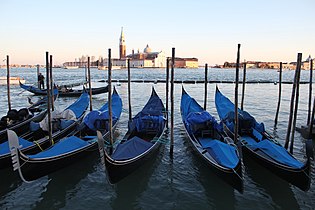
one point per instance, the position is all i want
(122, 45)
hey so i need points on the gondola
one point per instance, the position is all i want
(260, 146)
(19, 120)
(140, 143)
(65, 92)
(36, 139)
(68, 150)
(206, 135)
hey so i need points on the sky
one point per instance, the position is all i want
(268, 30)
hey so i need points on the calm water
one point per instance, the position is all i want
(183, 182)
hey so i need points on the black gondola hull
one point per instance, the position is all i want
(298, 177)
(232, 177)
(72, 93)
(5, 160)
(117, 170)
(22, 127)
(33, 170)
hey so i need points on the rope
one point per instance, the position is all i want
(38, 145)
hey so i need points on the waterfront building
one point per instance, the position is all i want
(147, 59)
(186, 63)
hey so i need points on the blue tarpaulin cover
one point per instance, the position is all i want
(277, 153)
(223, 153)
(63, 146)
(131, 148)
(80, 105)
(193, 113)
(102, 113)
(4, 147)
(225, 109)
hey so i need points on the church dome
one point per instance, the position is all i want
(147, 49)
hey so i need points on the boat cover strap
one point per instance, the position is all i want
(277, 153)
(131, 148)
(224, 154)
(4, 147)
(67, 145)
(149, 123)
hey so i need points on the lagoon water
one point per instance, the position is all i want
(183, 182)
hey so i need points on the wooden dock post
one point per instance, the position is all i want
(236, 94)
(167, 88)
(51, 83)
(287, 139)
(298, 66)
(279, 98)
(243, 85)
(90, 86)
(8, 82)
(48, 98)
(206, 87)
(110, 99)
(172, 103)
(129, 90)
(310, 93)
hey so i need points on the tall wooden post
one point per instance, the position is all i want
(167, 88)
(287, 139)
(312, 121)
(236, 93)
(129, 90)
(310, 93)
(279, 98)
(298, 67)
(38, 84)
(206, 87)
(172, 103)
(243, 89)
(90, 86)
(48, 98)
(8, 83)
(51, 83)
(110, 98)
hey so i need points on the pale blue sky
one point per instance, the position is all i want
(268, 30)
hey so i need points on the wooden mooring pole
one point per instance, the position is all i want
(51, 83)
(8, 82)
(299, 63)
(90, 86)
(310, 93)
(287, 139)
(48, 98)
(236, 93)
(206, 87)
(110, 99)
(167, 88)
(129, 90)
(279, 98)
(243, 85)
(172, 103)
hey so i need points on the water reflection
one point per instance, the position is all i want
(130, 189)
(279, 190)
(63, 183)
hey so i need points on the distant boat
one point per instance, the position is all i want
(13, 80)
(71, 67)
(106, 67)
